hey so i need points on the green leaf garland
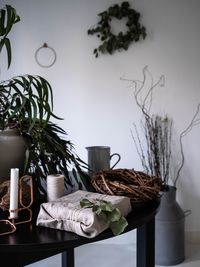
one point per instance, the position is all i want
(110, 42)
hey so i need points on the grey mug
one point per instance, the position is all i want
(99, 158)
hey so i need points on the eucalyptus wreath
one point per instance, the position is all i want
(111, 42)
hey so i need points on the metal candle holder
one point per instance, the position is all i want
(11, 223)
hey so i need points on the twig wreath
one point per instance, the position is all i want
(110, 42)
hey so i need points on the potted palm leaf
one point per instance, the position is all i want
(26, 110)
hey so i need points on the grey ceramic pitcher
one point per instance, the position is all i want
(99, 158)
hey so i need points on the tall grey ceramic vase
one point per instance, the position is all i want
(12, 152)
(169, 230)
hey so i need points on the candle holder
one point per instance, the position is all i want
(8, 226)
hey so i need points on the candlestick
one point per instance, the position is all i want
(14, 185)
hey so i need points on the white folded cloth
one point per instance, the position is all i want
(66, 214)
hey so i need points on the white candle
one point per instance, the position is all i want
(14, 188)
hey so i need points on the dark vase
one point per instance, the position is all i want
(12, 152)
(170, 230)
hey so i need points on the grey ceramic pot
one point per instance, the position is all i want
(12, 152)
(169, 230)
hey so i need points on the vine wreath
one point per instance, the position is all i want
(110, 42)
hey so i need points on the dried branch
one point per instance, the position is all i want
(193, 123)
(155, 154)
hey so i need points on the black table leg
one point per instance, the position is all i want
(68, 258)
(146, 245)
(8, 260)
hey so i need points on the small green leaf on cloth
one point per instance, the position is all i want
(118, 227)
(115, 215)
(106, 211)
(106, 206)
(85, 203)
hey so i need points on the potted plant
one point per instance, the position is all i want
(26, 106)
(153, 142)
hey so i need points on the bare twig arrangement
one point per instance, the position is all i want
(155, 153)
(156, 159)
(195, 121)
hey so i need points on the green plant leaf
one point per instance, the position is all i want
(106, 211)
(118, 227)
(105, 206)
(75, 176)
(101, 214)
(6, 42)
(115, 215)
(2, 21)
(85, 203)
(8, 18)
(12, 18)
(36, 93)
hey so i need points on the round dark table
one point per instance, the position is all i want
(31, 243)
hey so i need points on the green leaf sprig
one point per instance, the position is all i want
(105, 210)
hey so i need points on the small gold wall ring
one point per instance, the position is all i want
(37, 53)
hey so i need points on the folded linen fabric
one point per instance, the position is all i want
(66, 213)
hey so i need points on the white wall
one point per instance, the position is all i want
(98, 108)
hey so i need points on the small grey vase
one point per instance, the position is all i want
(169, 230)
(12, 152)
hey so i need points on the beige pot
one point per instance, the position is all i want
(12, 152)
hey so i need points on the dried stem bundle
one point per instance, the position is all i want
(155, 153)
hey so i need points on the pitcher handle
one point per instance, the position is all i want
(119, 158)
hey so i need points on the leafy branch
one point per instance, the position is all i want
(106, 211)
